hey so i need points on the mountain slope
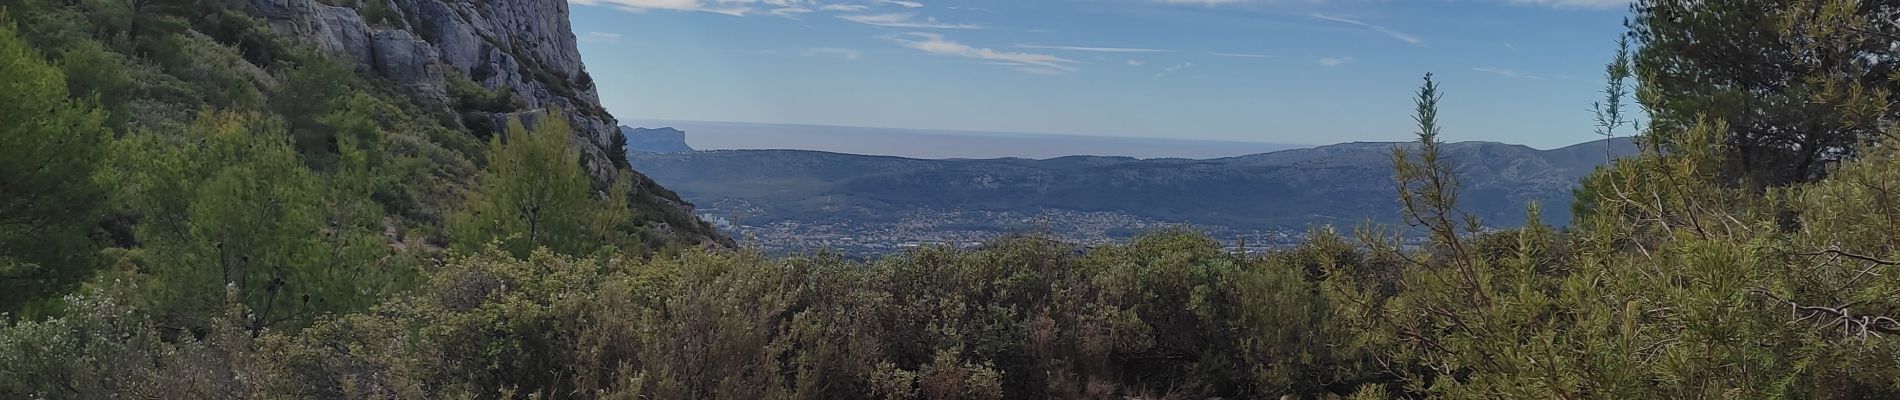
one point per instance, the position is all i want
(1280, 191)
(486, 63)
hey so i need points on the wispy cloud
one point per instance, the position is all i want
(844, 7)
(900, 3)
(1508, 73)
(1401, 36)
(1042, 64)
(790, 12)
(1336, 61)
(738, 8)
(1241, 55)
(1136, 63)
(601, 37)
(905, 20)
(1093, 49)
(1173, 69)
(834, 52)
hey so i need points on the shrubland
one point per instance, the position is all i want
(175, 229)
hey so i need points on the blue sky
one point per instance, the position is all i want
(1281, 71)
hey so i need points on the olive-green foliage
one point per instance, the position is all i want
(534, 194)
(227, 202)
(1171, 314)
(377, 13)
(260, 269)
(308, 92)
(1799, 83)
(108, 348)
(1677, 285)
(50, 148)
(469, 95)
(366, 188)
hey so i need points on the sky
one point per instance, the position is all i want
(1273, 71)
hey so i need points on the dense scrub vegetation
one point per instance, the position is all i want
(184, 145)
(255, 241)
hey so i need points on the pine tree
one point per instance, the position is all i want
(532, 194)
(50, 148)
(1800, 84)
(228, 203)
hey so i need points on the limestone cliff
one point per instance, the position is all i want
(523, 47)
(664, 140)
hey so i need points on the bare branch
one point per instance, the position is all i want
(1836, 251)
(1861, 326)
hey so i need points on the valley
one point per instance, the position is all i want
(788, 201)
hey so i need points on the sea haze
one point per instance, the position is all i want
(943, 144)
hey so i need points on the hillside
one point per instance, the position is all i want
(1282, 191)
(520, 55)
(302, 149)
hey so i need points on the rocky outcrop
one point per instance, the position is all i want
(525, 47)
(655, 140)
(409, 60)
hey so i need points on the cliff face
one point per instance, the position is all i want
(526, 47)
(656, 140)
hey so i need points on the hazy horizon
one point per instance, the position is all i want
(944, 144)
(954, 144)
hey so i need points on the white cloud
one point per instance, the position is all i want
(905, 20)
(790, 12)
(1586, 4)
(737, 8)
(1241, 55)
(1508, 73)
(836, 52)
(1136, 63)
(1093, 49)
(1027, 62)
(1336, 61)
(844, 7)
(1170, 70)
(1401, 36)
(601, 37)
(900, 3)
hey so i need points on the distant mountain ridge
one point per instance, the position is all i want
(655, 140)
(1340, 184)
(946, 144)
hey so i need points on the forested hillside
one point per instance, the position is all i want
(190, 227)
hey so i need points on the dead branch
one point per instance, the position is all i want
(1861, 326)
(1836, 251)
